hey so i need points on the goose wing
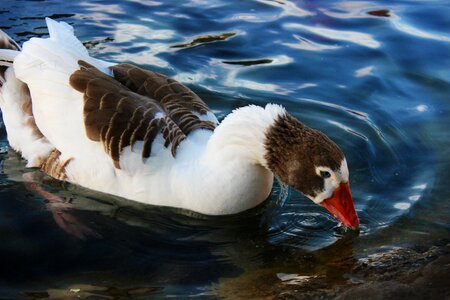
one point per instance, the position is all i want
(136, 105)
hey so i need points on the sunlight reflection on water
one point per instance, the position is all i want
(340, 67)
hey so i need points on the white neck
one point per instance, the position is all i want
(231, 173)
(242, 134)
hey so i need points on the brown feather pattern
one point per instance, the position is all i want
(54, 167)
(121, 110)
(293, 151)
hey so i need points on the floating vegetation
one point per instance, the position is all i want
(248, 62)
(380, 13)
(91, 44)
(205, 39)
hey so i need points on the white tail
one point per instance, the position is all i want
(15, 104)
(64, 33)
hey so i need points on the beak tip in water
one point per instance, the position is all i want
(340, 205)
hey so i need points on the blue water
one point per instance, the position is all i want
(374, 76)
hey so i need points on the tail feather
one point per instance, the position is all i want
(42, 60)
(64, 33)
(17, 114)
(61, 51)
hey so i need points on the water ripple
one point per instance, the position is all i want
(305, 44)
(359, 38)
(288, 8)
(410, 29)
(340, 67)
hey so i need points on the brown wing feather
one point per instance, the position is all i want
(174, 98)
(120, 110)
(54, 166)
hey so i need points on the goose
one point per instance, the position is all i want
(126, 131)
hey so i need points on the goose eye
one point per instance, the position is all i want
(325, 174)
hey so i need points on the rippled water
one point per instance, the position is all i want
(373, 75)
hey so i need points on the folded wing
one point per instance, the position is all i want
(137, 105)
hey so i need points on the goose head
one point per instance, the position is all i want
(307, 160)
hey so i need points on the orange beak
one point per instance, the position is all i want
(340, 205)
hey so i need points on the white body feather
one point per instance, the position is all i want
(213, 173)
(21, 137)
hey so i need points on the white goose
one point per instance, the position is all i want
(138, 134)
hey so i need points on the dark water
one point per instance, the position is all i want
(375, 76)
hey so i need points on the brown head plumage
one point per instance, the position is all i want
(294, 150)
(310, 162)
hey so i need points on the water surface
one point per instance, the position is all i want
(373, 75)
